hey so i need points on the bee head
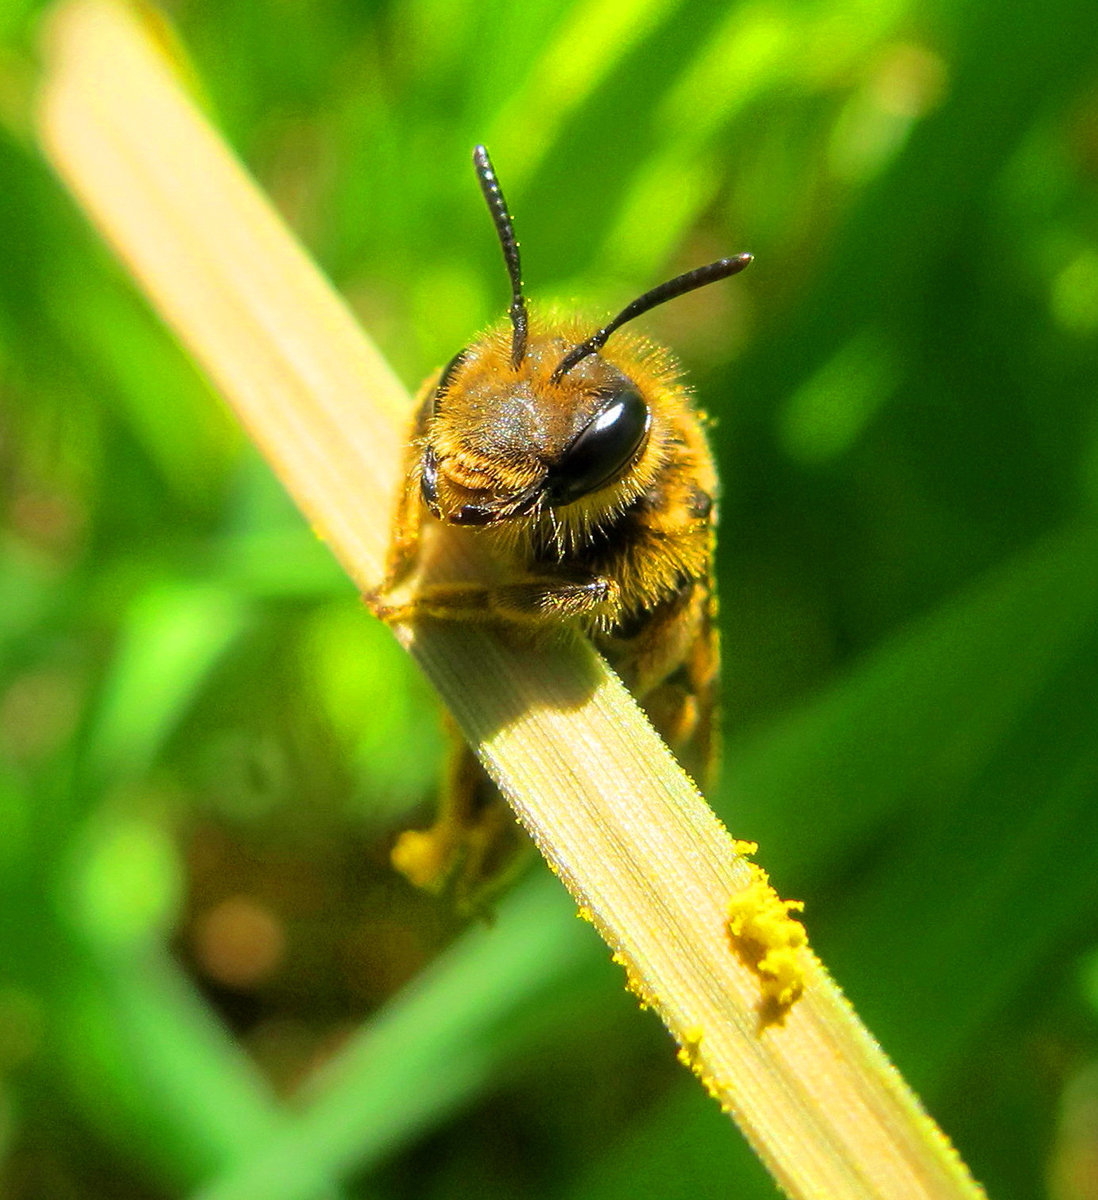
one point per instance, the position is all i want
(532, 419)
(505, 442)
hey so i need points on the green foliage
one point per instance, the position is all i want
(205, 745)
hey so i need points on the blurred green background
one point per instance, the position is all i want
(211, 983)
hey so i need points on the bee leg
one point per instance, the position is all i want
(408, 516)
(474, 845)
(557, 599)
(531, 601)
(671, 664)
(682, 719)
(684, 706)
(404, 543)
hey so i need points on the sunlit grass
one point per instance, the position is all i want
(907, 447)
(647, 862)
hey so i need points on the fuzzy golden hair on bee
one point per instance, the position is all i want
(576, 456)
(497, 431)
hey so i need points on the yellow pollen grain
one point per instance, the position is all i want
(688, 1050)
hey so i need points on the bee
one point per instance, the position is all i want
(578, 462)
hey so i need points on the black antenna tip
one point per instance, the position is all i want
(505, 230)
(679, 286)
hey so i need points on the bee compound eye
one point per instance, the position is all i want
(428, 480)
(603, 449)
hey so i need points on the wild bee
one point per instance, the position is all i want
(583, 465)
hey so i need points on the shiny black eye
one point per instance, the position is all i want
(602, 450)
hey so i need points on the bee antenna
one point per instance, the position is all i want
(678, 286)
(501, 218)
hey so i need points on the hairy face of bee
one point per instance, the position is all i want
(505, 442)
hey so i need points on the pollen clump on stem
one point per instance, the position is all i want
(766, 936)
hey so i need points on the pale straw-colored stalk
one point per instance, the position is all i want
(616, 818)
